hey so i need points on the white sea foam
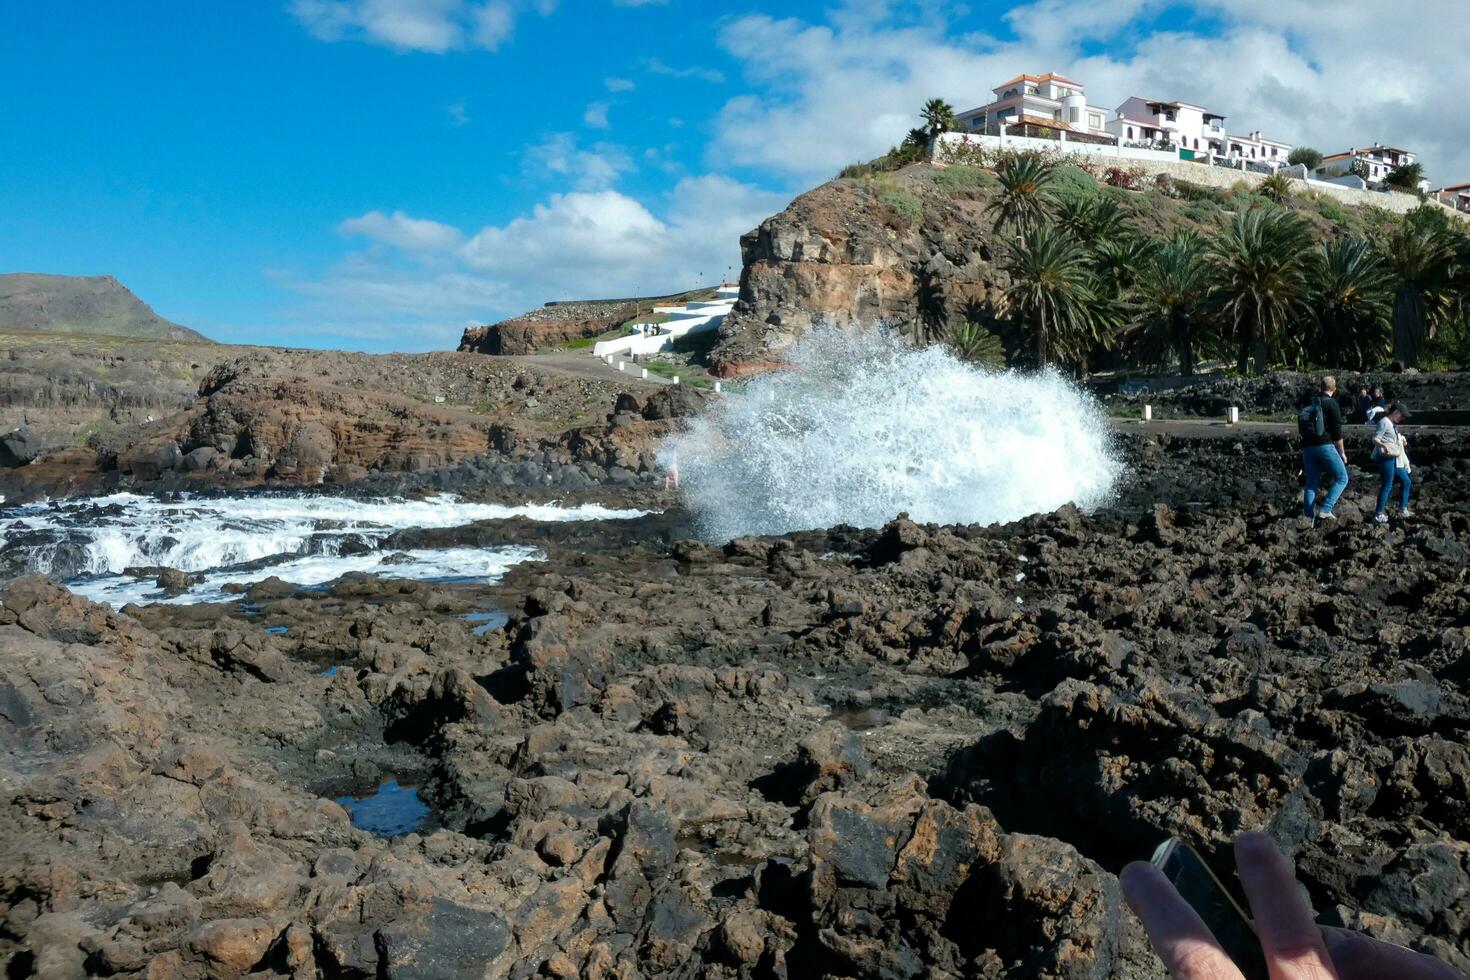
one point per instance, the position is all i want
(301, 539)
(197, 534)
(445, 565)
(865, 426)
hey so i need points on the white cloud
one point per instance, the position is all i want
(458, 112)
(403, 232)
(577, 244)
(561, 156)
(823, 95)
(615, 84)
(433, 26)
(696, 72)
(596, 115)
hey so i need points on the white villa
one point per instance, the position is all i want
(1456, 196)
(1195, 130)
(1057, 106)
(679, 321)
(1049, 101)
(1371, 163)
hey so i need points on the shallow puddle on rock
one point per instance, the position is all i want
(391, 810)
(486, 622)
(278, 630)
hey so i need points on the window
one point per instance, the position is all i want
(1076, 115)
(1273, 151)
(1130, 132)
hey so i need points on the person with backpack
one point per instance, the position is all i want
(1323, 453)
(1390, 452)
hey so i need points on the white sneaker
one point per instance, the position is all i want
(1406, 512)
(1380, 518)
(1327, 515)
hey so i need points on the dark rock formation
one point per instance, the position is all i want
(913, 751)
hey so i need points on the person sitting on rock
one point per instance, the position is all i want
(1364, 402)
(1378, 398)
(1390, 452)
(1323, 453)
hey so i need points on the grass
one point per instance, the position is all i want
(958, 179)
(898, 198)
(582, 344)
(687, 374)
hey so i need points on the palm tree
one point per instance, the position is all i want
(1091, 218)
(1419, 252)
(1053, 292)
(1117, 263)
(972, 342)
(1263, 263)
(1352, 303)
(1171, 316)
(1026, 180)
(1277, 188)
(1405, 177)
(938, 118)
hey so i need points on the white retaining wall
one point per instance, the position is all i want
(1155, 162)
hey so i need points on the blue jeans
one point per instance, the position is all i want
(1320, 461)
(1388, 470)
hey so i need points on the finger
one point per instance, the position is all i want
(1291, 940)
(1359, 957)
(1180, 937)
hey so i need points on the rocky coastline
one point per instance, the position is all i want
(902, 752)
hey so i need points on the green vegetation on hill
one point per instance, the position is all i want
(1109, 264)
(93, 305)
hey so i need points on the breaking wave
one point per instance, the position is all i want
(865, 426)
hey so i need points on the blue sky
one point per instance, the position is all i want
(378, 174)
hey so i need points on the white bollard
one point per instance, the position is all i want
(644, 376)
(1148, 413)
(718, 389)
(1233, 416)
(676, 379)
(621, 365)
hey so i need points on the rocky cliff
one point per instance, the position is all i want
(307, 417)
(550, 326)
(82, 304)
(913, 249)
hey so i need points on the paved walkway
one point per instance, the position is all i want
(581, 364)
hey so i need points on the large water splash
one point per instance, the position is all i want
(865, 426)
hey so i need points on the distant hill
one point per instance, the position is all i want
(82, 304)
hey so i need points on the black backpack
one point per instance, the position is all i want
(1311, 422)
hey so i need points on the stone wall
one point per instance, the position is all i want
(1155, 162)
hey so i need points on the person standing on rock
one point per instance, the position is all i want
(1390, 452)
(1323, 453)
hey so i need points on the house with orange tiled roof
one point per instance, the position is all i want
(1050, 101)
(1456, 196)
(1371, 163)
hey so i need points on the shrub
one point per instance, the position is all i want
(1073, 181)
(968, 154)
(1190, 191)
(903, 201)
(1118, 177)
(958, 178)
(1330, 209)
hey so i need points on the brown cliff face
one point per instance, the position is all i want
(912, 249)
(550, 326)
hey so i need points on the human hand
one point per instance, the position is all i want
(1295, 947)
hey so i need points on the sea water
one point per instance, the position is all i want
(864, 426)
(308, 540)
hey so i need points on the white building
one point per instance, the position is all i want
(1372, 163)
(1049, 101)
(1194, 130)
(1455, 196)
